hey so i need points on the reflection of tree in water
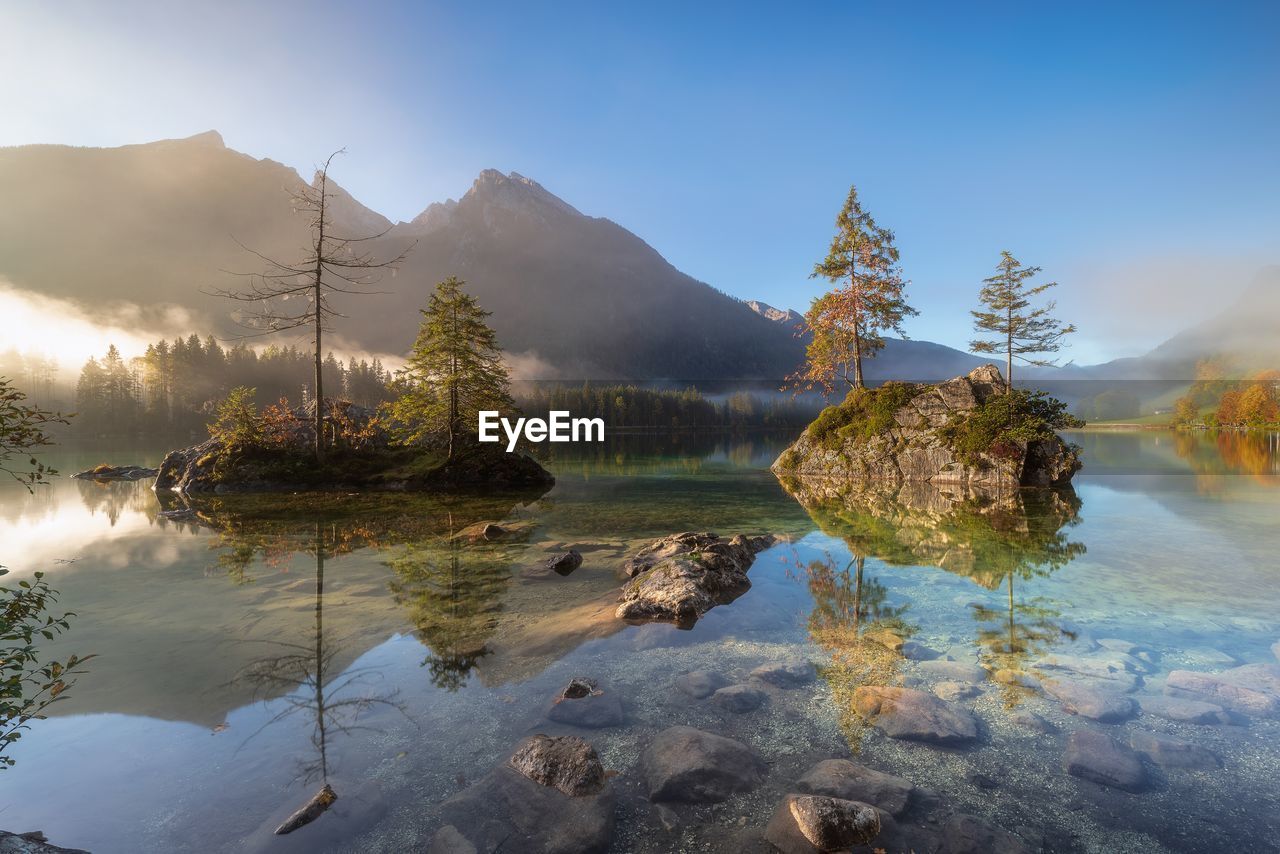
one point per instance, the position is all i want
(849, 610)
(453, 589)
(991, 539)
(115, 498)
(299, 673)
(1214, 456)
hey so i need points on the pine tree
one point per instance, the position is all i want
(868, 299)
(454, 370)
(1020, 331)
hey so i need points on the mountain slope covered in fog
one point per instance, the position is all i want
(138, 230)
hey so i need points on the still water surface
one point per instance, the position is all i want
(248, 655)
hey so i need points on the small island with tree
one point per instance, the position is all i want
(419, 440)
(975, 431)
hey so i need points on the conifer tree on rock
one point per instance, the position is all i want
(454, 370)
(868, 298)
(1020, 331)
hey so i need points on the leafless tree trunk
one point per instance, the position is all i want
(332, 264)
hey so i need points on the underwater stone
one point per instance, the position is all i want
(1098, 704)
(1032, 721)
(1184, 711)
(953, 671)
(739, 698)
(593, 708)
(506, 805)
(1169, 752)
(449, 840)
(966, 834)
(1253, 689)
(841, 778)
(687, 764)
(788, 673)
(952, 691)
(1099, 758)
(699, 684)
(906, 713)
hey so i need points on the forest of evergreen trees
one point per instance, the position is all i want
(173, 390)
(174, 387)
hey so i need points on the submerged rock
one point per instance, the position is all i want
(1169, 752)
(565, 562)
(1032, 721)
(1184, 711)
(32, 842)
(953, 691)
(787, 673)
(817, 823)
(913, 715)
(967, 834)
(683, 576)
(1117, 670)
(583, 703)
(449, 840)
(564, 762)
(687, 764)
(561, 565)
(914, 446)
(509, 810)
(953, 671)
(841, 778)
(1099, 758)
(1252, 689)
(700, 684)
(1090, 701)
(739, 698)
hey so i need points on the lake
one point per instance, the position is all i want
(247, 654)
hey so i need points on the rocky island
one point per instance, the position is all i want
(363, 456)
(968, 432)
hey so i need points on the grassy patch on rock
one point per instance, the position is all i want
(1003, 425)
(866, 412)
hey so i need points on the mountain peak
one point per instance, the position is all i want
(209, 137)
(778, 315)
(514, 191)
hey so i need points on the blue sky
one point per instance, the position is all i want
(1129, 149)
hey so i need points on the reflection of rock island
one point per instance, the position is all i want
(992, 539)
(985, 536)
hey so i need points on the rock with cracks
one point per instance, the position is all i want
(817, 823)
(681, 577)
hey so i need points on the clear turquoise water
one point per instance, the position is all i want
(196, 727)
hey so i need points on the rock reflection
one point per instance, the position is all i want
(992, 539)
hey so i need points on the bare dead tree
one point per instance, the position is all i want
(332, 264)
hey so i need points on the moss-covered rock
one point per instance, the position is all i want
(964, 431)
(214, 466)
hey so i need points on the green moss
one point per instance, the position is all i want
(864, 413)
(1004, 424)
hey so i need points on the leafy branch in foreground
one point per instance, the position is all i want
(22, 428)
(28, 687)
